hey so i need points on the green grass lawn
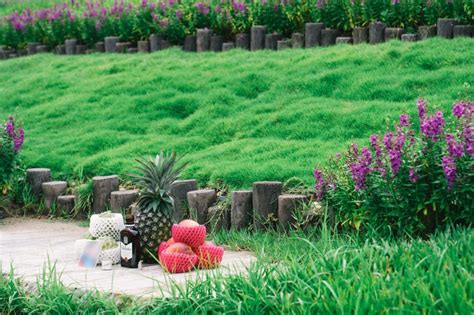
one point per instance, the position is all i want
(238, 116)
(301, 273)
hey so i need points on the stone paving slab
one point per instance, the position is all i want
(28, 244)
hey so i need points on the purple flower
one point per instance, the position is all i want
(395, 2)
(374, 142)
(179, 14)
(468, 136)
(218, 9)
(98, 25)
(320, 4)
(18, 140)
(152, 6)
(162, 7)
(455, 149)
(144, 3)
(404, 120)
(421, 104)
(319, 184)
(458, 109)
(433, 126)
(412, 175)
(449, 169)
(10, 128)
(361, 168)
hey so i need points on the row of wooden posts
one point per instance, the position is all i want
(265, 201)
(316, 34)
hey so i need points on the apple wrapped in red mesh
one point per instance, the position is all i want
(193, 236)
(210, 255)
(165, 245)
(178, 263)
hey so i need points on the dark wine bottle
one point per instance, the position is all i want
(130, 250)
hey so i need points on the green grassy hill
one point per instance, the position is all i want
(239, 116)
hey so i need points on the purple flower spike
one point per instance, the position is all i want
(412, 175)
(455, 148)
(18, 140)
(404, 120)
(421, 104)
(458, 109)
(319, 184)
(449, 169)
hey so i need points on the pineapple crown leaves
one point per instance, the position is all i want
(154, 178)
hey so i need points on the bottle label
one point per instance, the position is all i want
(126, 251)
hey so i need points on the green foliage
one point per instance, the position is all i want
(406, 182)
(239, 116)
(154, 179)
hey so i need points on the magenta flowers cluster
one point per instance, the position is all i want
(400, 156)
(16, 135)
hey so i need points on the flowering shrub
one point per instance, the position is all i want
(11, 141)
(406, 181)
(91, 21)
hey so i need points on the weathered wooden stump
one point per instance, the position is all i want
(242, 41)
(110, 43)
(462, 31)
(216, 43)
(70, 46)
(360, 35)
(100, 47)
(376, 32)
(297, 40)
(65, 204)
(41, 49)
(189, 43)
(164, 44)
(89, 51)
(328, 36)
(122, 199)
(445, 27)
(31, 48)
(155, 42)
(257, 37)
(103, 186)
(312, 35)
(200, 201)
(51, 192)
(343, 40)
(60, 50)
(81, 49)
(265, 202)
(203, 39)
(36, 177)
(132, 50)
(228, 46)
(287, 204)
(143, 46)
(179, 190)
(241, 210)
(219, 218)
(123, 47)
(409, 37)
(393, 33)
(12, 55)
(271, 41)
(425, 32)
(283, 44)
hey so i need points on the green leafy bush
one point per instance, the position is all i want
(91, 21)
(406, 181)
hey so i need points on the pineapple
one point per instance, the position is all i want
(155, 205)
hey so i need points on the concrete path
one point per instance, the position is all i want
(27, 243)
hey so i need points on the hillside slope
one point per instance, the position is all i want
(239, 116)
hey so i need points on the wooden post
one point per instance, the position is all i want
(143, 46)
(242, 41)
(81, 49)
(425, 32)
(155, 42)
(287, 204)
(31, 48)
(241, 210)
(297, 40)
(463, 31)
(409, 37)
(376, 32)
(328, 36)
(445, 27)
(265, 202)
(203, 39)
(189, 43)
(103, 186)
(393, 33)
(343, 40)
(228, 46)
(312, 35)
(36, 177)
(219, 218)
(216, 43)
(65, 204)
(257, 37)
(360, 35)
(122, 199)
(271, 41)
(201, 201)
(100, 47)
(179, 191)
(70, 46)
(51, 192)
(110, 43)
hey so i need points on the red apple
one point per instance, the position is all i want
(165, 245)
(210, 255)
(188, 223)
(190, 235)
(179, 248)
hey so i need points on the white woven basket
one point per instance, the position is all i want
(106, 225)
(112, 254)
